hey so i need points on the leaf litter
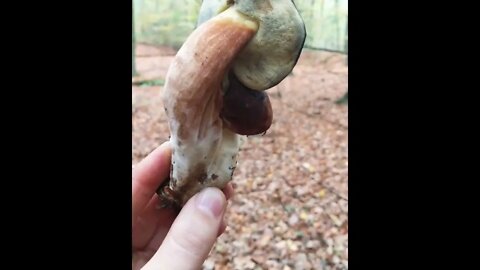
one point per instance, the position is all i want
(290, 208)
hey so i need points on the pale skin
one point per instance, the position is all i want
(163, 239)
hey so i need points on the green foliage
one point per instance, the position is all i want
(165, 22)
(343, 100)
(157, 82)
(169, 22)
(325, 21)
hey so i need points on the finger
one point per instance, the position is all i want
(147, 177)
(222, 228)
(228, 190)
(152, 225)
(193, 233)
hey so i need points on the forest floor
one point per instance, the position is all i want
(290, 208)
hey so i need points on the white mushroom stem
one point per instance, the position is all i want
(204, 152)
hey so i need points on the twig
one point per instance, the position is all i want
(258, 263)
(333, 192)
(145, 81)
(154, 55)
(325, 49)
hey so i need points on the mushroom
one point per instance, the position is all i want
(214, 91)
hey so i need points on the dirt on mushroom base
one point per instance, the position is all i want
(290, 206)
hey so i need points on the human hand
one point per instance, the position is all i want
(161, 239)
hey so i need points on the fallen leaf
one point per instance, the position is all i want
(304, 216)
(293, 220)
(335, 220)
(309, 167)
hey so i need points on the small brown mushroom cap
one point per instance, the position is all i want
(246, 111)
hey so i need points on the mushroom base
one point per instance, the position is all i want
(218, 172)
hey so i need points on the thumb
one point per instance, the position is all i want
(192, 234)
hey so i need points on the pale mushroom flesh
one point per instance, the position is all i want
(214, 89)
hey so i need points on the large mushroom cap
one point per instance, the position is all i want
(210, 9)
(274, 50)
(273, 53)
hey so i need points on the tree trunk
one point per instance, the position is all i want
(344, 99)
(134, 72)
(346, 41)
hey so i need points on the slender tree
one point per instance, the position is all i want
(134, 72)
(344, 99)
(346, 40)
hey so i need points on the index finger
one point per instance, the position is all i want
(147, 176)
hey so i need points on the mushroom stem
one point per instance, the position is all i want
(204, 152)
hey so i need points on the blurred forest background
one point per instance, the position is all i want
(290, 209)
(169, 22)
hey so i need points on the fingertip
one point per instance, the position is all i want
(228, 191)
(194, 231)
(148, 175)
(222, 228)
(164, 149)
(156, 162)
(211, 201)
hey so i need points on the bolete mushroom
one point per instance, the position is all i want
(214, 91)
